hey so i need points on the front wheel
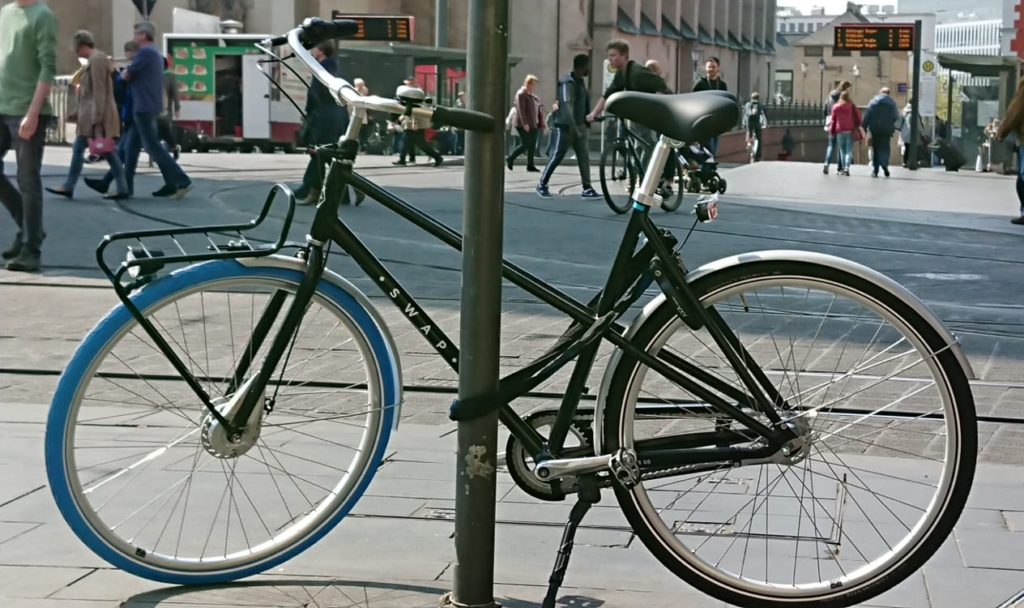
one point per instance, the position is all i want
(877, 478)
(147, 478)
(618, 177)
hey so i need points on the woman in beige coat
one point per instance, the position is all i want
(97, 115)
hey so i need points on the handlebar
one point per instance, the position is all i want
(314, 31)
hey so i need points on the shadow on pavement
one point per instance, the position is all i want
(302, 591)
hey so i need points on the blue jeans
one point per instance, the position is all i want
(830, 152)
(844, 141)
(1020, 178)
(78, 159)
(143, 135)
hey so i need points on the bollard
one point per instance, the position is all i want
(481, 307)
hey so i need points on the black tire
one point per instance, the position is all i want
(924, 536)
(618, 177)
(672, 201)
(722, 184)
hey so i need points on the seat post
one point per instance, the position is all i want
(647, 193)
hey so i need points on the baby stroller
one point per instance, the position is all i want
(700, 170)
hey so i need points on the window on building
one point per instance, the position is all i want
(814, 51)
(803, 28)
(783, 86)
(841, 52)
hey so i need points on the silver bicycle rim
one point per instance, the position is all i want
(785, 553)
(218, 507)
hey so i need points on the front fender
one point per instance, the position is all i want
(858, 270)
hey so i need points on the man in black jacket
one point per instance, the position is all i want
(571, 127)
(712, 81)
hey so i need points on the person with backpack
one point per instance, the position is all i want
(629, 76)
(831, 150)
(754, 120)
(880, 120)
(572, 127)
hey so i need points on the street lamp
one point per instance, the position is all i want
(821, 82)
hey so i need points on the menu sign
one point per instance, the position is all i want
(193, 71)
(379, 28)
(874, 37)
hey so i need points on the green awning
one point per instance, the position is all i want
(979, 65)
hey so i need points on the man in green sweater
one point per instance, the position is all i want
(28, 62)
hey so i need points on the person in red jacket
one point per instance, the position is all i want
(846, 124)
(527, 123)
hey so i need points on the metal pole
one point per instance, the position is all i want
(481, 307)
(441, 24)
(915, 118)
(949, 106)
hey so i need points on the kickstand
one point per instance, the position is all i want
(589, 495)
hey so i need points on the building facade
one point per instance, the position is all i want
(544, 35)
(819, 68)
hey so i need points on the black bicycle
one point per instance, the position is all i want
(780, 428)
(622, 170)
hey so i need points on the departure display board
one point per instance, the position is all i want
(875, 37)
(380, 28)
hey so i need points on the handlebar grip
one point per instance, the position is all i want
(316, 30)
(465, 119)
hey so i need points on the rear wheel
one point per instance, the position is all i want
(887, 433)
(618, 176)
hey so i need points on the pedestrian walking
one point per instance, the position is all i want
(28, 47)
(880, 120)
(123, 99)
(572, 127)
(1011, 131)
(527, 123)
(846, 127)
(98, 121)
(832, 151)
(906, 133)
(712, 81)
(367, 128)
(145, 77)
(415, 139)
(754, 121)
(325, 123)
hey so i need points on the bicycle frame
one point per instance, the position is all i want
(644, 256)
(591, 323)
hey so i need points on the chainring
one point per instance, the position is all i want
(520, 463)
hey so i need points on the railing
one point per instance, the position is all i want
(795, 114)
(62, 103)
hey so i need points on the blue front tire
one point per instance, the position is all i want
(147, 479)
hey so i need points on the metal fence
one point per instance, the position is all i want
(795, 114)
(63, 103)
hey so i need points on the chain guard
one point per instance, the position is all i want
(520, 463)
